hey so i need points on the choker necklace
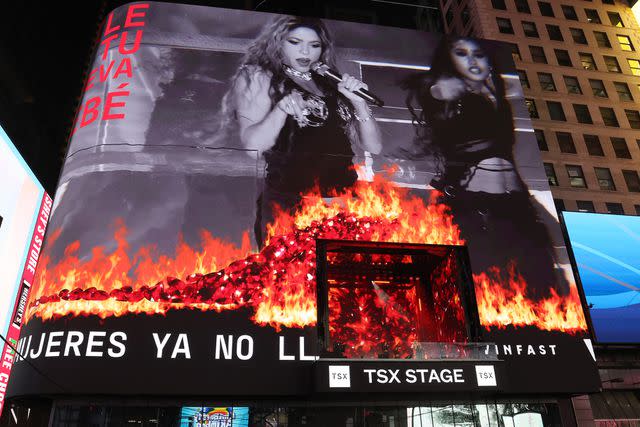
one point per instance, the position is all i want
(303, 75)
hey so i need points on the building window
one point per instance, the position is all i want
(587, 61)
(499, 4)
(605, 180)
(531, 107)
(594, 148)
(569, 12)
(585, 206)
(582, 114)
(615, 19)
(545, 9)
(634, 118)
(614, 208)
(592, 16)
(504, 25)
(554, 33)
(559, 205)
(537, 54)
(634, 64)
(620, 148)
(608, 2)
(515, 52)
(602, 39)
(523, 6)
(530, 29)
(551, 175)
(572, 84)
(598, 89)
(555, 111)
(546, 82)
(541, 139)
(612, 64)
(524, 80)
(625, 43)
(565, 141)
(449, 16)
(563, 58)
(624, 93)
(637, 208)
(578, 36)
(609, 117)
(576, 177)
(632, 180)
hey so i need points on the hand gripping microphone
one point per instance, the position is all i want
(324, 70)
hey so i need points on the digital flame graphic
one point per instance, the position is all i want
(278, 283)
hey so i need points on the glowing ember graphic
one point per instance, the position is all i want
(278, 284)
(502, 300)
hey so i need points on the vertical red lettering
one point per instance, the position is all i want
(108, 28)
(131, 15)
(92, 76)
(109, 104)
(90, 111)
(123, 43)
(107, 45)
(124, 68)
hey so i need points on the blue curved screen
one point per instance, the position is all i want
(607, 252)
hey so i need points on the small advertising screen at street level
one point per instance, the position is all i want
(216, 155)
(606, 249)
(24, 212)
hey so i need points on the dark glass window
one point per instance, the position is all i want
(592, 16)
(598, 89)
(625, 43)
(615, 19)
(523, 6)
(572, 84)
(531, 107)
(620, 148)
(637, 208)
(537, 54)
(466, 16)
(612, 64)
(546, 82)
(585, 206)
(569, 12)
(504, 25)
(576, 177)
(541, 139)
(582, 114)
(605, 180)
(608, 2)
(563, 58)
(554, 32)
(545, 8)
(632, 180)
(565, 142)
(555, 111)
(614, 208)
(634, 64)
(524, 80)
(499, 4)
(602, 39)
(530, 29)
(578, 36)
(587, 61)
(624, 93)
(609, 117)
(634, 118)
(594, 148)
(449, 16)
(559, 205)
(551, 174)
(515, 52)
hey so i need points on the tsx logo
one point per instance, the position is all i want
(486, 376)
(339, 376)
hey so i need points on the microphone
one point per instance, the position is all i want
(324, 70)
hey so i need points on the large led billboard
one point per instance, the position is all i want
(215, 148)
(607, 254)
(24, 212)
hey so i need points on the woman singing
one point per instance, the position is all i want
(303, 124)
(464, 119)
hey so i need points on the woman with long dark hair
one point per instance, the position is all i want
(303, 124)
(464, 120)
